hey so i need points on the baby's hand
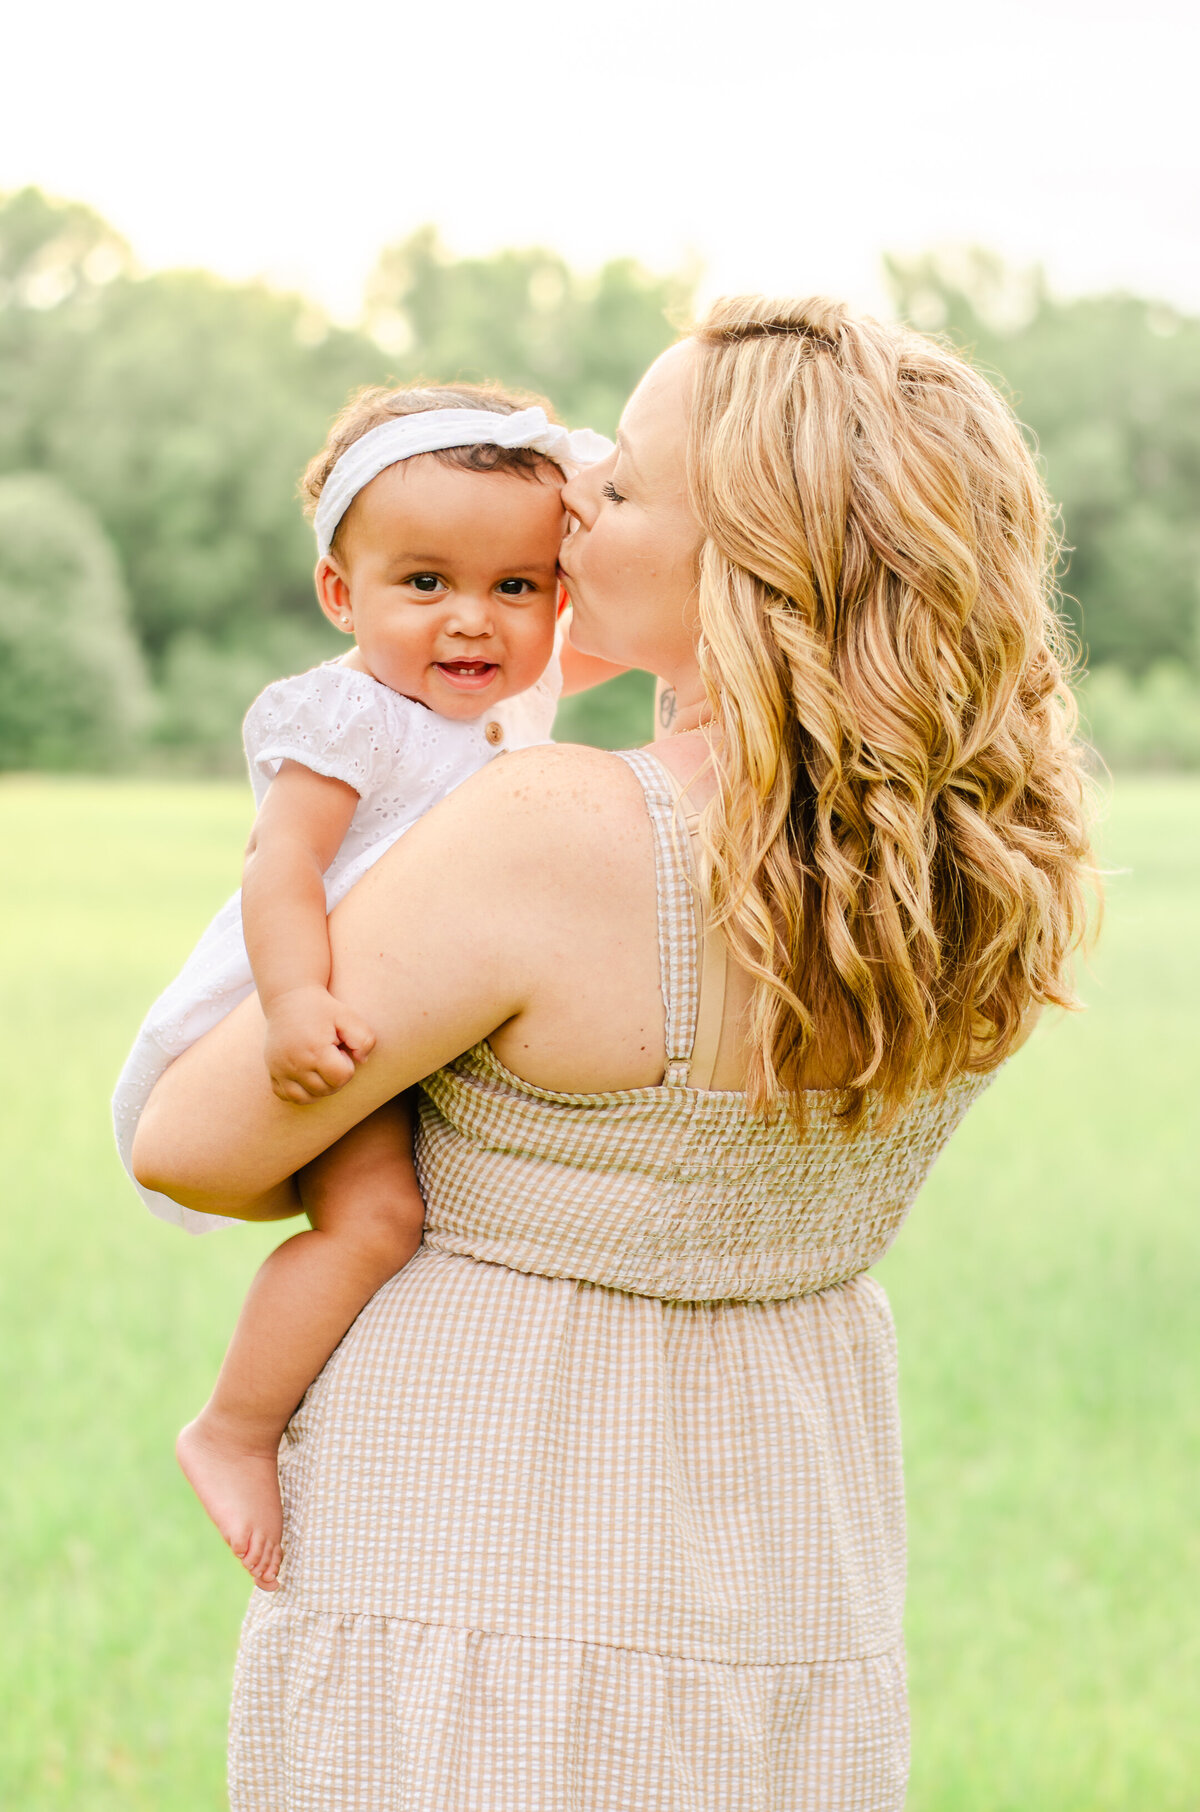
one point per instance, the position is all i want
(313, 1044)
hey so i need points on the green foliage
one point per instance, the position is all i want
(1146, 721)
(181, 410)
(206, 688)
(526, 319)
(617, 715)
(1044, 1292)
(56, 258)
(51, 250)
(197, 407)
(1110, 388)
(72, 684)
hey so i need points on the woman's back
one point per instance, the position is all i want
(592, 1019)
(704, 1200)
(620, 1443)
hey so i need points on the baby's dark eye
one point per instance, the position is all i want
(514, 588)
(610, 491)
(427, 582)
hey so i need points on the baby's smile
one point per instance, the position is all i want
(449, 583)
(468, 676)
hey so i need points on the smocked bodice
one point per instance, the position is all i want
(673, 1192)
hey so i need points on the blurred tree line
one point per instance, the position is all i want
(1109, 387)
(164, 421)
(155, 570)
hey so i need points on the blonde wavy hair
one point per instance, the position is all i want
(899, 842)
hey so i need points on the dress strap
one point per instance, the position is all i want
(677, 939)
(711, 944)
(714, 961)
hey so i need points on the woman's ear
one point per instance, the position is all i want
(333, 595)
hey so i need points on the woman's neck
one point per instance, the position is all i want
(680, 710)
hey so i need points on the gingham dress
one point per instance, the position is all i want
(598, 1507)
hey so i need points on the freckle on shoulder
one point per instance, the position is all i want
(564, 768)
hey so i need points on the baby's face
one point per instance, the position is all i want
(448, 582)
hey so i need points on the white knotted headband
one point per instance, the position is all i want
(432, 431)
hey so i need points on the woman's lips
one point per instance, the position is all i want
(467, 676)
(566, 577)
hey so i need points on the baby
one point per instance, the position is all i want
(438, 523)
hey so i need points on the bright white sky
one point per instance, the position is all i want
(783, 144)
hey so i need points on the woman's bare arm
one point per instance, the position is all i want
(449, 937)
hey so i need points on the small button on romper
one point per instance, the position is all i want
(598, 1506)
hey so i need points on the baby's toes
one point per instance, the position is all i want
(254, 1552)
(241, 1540)
(266, 1582)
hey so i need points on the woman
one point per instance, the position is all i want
(599, 1503)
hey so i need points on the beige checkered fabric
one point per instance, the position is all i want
(598, 1507)
(677, 940)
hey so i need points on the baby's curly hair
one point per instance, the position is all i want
(371, 407)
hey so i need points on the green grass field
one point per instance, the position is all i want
(1045, 1291)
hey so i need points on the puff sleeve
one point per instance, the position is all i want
(332, 720)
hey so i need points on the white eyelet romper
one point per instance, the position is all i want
(598, 1506)
(401, 759)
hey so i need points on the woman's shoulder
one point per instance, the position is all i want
(557, 806)
(559, 779)
(525, 864)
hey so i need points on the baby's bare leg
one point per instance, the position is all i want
(366, 1213)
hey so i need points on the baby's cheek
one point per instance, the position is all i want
(536, 650)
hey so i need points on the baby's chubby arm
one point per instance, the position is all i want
(313, 1042)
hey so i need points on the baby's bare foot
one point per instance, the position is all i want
(239, 1487)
